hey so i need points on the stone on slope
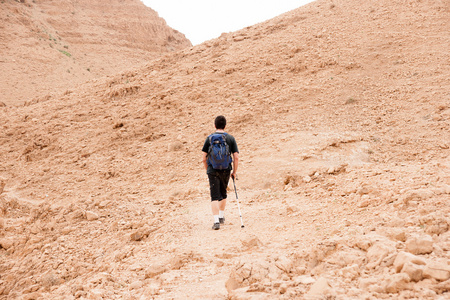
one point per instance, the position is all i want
(415, 272)
(378, 252)
(91, 216)
(352, 272)
(6, 243)
(394, 233)
(2, 185)
(155, 270)
(406, 257)
(420, 244)
(320, 287)
(438, 271)
(396, 283)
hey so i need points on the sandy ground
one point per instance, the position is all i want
(341, 113)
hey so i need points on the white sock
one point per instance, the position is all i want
(221, 214)
(216, 219)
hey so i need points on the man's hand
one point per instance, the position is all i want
(235, 165)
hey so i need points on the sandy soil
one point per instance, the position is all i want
(341, 112)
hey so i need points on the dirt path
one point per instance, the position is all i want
(213, 254)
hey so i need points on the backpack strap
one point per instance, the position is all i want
(210, 136)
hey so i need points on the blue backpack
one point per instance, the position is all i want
(219, 156)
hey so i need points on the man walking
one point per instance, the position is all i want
(220, 158)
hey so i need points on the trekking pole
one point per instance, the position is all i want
(237, 200)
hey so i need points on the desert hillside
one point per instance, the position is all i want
(49, 45)
(341, 111)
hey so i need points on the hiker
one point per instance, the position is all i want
(220, 159)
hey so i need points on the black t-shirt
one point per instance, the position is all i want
(231, 143)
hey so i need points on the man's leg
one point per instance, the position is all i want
(224, 178)
(214, 185)
(215, 211)
(222, 205)
(215, 207)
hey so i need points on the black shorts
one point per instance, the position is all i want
(218, 182)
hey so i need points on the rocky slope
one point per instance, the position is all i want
(50, 45)
(341, 112)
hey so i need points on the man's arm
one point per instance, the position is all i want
(235, 164)
(205, 163)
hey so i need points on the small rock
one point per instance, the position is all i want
(365, 201)
(365, 283)
(399, 235)
(136, 285)
(2, 185)
(442, 287)
(396, 283)
(416, 195)
(6, 243)
(251, 243)
(438, 271)
(284, 264)
(320, 287)
(415, 272)
(175, 146)
(136, 267)
(96, 294)
(306, 179)
(103, 204)
(405, 257)
(141, 233)
(292, 209)
(377, 253)
(283, 288)
(394, 233)
(152, 288)
(437, 229)
(303, 279)
(136, 236)
(155, 270)
(420, 245)
(232, 284)
(35, 229)
(351, 272)
(396, 222)
(91, 216)
(363, 244)
(363, 190)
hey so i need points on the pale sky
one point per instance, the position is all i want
(202, 20)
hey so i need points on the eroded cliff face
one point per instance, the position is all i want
(46, 46)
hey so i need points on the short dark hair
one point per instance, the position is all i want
(220, 122)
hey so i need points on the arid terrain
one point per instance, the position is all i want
(50, 45)
(341, 111)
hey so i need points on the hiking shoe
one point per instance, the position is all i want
(222, 220)
(216, 226)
